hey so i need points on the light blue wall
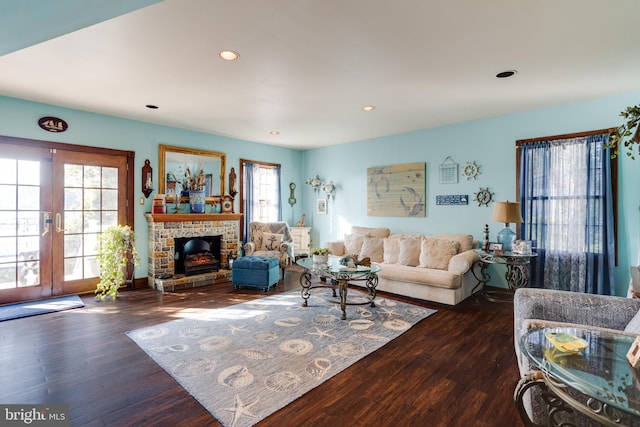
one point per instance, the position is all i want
(491, 144)
(19, 118)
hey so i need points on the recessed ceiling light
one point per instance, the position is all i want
(368, 108)
(506, 74)
(151, 106)
(229, 55)
(274, 132)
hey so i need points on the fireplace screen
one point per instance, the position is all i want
(197, 255)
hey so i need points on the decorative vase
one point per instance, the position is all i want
(196, 201)
(320, 259)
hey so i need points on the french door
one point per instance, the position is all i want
(54, 202)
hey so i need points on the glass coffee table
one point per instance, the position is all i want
(340, 277)
(597, 381)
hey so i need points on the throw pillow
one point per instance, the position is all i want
(391, 250)
(409, 252)
(436, 253)
(372, 247)
(634, 325)
(353, 243)
(465, 240)
(271, 242)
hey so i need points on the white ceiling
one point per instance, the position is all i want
(307, 67)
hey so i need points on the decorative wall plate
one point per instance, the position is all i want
(471, 170)
(484, 196)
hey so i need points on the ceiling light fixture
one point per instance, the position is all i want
(505, 74)
(368, 108)
(151, 106)
(274, 132)
(229, 55)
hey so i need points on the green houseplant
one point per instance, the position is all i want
(116, 249)
(320, 255)
(624, 134)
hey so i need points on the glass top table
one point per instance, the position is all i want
(517, 274)
(600, 372)
(340, 276)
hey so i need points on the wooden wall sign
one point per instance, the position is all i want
(53, 124)
(397, 190)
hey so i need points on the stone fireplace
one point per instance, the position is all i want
(164, 229)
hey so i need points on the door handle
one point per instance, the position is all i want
(59, 228)
(46, 222)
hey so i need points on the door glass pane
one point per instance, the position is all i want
(7, 197)
(91, 206)
(110, 199)
(28, 172)
(8, 169)
(28, 197)
(72, 199)
(19, 223)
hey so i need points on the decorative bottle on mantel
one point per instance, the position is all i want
(485, 243)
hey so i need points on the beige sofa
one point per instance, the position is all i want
(433, 268)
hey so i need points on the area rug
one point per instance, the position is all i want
(246, 361)
(33, 308)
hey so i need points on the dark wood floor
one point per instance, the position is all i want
(455, 368)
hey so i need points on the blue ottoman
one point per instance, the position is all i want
(255, 272)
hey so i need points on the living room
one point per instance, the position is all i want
(488, 141)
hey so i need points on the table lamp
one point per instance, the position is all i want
(506, 212)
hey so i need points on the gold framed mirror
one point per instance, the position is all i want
(173, 162)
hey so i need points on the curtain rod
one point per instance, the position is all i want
(565, 136)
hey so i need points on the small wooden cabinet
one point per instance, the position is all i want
(301, 240)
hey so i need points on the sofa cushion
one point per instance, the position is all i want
(271, 241)
(353, 243)
(372, 247)
(436, 253)
(420, 276)
(370, 231)
(409, 252)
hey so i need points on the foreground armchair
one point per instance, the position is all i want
(270, 239)
(540, 308)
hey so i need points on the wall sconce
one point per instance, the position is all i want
(329, 189)
(315, 183)
(147, 180)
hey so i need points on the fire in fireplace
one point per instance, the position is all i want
(197, 255)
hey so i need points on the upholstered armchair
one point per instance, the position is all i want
(539, 308)
(270, 239)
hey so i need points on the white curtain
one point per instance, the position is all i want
(567, 198)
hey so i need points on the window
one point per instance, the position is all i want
(260, 192)
(567, 190)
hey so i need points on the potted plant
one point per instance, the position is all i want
(320, 255)
(116, 249)
(624, 134)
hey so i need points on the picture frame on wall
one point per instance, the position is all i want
(321, 206)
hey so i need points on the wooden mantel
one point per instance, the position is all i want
(186, 217)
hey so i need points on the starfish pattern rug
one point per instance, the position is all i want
(246, 361)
